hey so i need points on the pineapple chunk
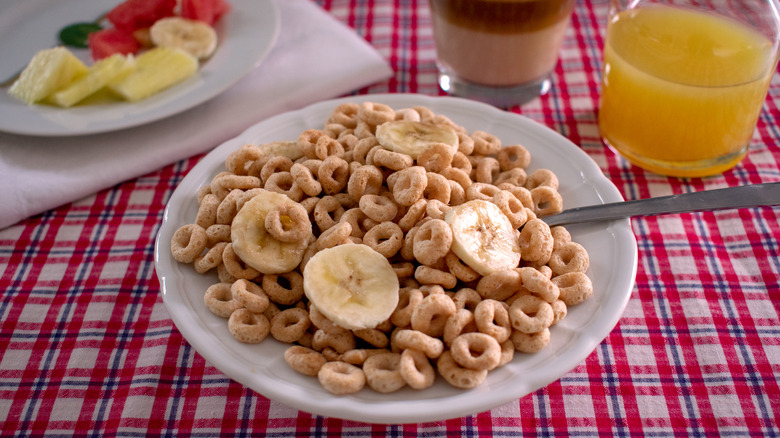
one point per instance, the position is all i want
(155, 70)
(48, 71)
(99, 75)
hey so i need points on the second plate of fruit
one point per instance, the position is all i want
(243, 36)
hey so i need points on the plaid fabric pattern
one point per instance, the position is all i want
(88, 348)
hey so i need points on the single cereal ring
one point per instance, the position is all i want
(375, 113)
(514, 157)
(248, 194)
(560, 236)
(188, 242)
(530, 342)
(340, 341)
(560, 310)
(466, 298)
(385, 238)
(224, 276)
(465, 143)
(515, 177)
(492, 318)
(457, 375)
(521, 193)
(227, 209)
(429, 345)
(202, 192)
(403, 269)
(365, 180)
(457, 193)
(341, 378)
(541, 177)
(499, 285)
(322, 322)
(408, 300)
(235, 266)
(345, 114)
(240, 160)
(507, 352)
(462, 321)
(222, 184)
(378, 208)
(277, 163)
(328, 147)
(432, 241)
(416, 369)
(289, 325)
(485, 143)
(308, 139)
(487, 170)
(334, 236)
(211, 259)
(304, 360)
(436, 157)
(538, 284)
(512, 208)
(304, 179)
(547, 201)
(333, 174)
(437, 187)
(207, 211)
(354, 217)
(436, 209)
(358, 356)
(574, 287)
(571, 257)
(413, 214)
(432, 313)
(373, 336)
(536, 242)
(362, 147)
(248, 327)
(217, 233)
(284, 183)
(476, 351)
(430, 275)
(391, 160)
(459, 176)
(409, 185)
(250, 295)
(220, 301)
(481, 191)
(530, 314)
(288, 223)
(285, 289)
(327, 212)
(383, 372)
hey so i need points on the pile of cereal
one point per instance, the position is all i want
(474, 275)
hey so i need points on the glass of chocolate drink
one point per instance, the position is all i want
(502, 52)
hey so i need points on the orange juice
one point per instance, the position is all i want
(682, 89)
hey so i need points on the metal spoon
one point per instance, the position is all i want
(755, 195)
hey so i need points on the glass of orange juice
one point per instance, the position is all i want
(684, 81)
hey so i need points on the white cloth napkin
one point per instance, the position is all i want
(315, 58)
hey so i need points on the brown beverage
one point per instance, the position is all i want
(499, 43)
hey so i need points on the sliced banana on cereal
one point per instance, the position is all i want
(193, 36)
(289, 149)
(411, 138)
(352, 284)
(255, 245)
(483, 237)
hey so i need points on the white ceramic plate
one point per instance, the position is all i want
(612, 248)
(246, 35)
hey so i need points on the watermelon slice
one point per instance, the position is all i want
(208, 11)
(136, 14)
(107, 42)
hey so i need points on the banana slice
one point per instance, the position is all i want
(195, 37)
(289, 149)
(483, 237)
(255, 246)
(353, 285)
(411, 138)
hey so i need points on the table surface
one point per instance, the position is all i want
(86, 343)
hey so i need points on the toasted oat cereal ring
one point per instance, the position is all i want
(457, 375)
(358, 356)
(515, 177)
(431, 315)
(248, 194)
(389, 159)
(409, 185)
(432, 241)
(466, 298)
(430, 275)
(560, 236)
(407, 114)
(362, 147)
(521, 193)
(530, 314)
(383, 373)
(426, 114)
(224, 276)
(530, 342)
(465, 143)
(250, 295)
(457, 194)
(345, 114)
(277, 163)
(308, 204)
(217, 233)
(375, 113)
(188, 242)
(308, 253)
(271, 311)
(235, 266)
(499, 285)
(541, 177)
(248, 327)
(538, 284)
(487, 170)
(560, 310)
(340, 341)
(547, 201)
(285, 289)
(536, 242)
(304, 360)
(354, 217)
(404, 338)
(288, 223)
(202, 192)
(207, 211)
(512, 208)
(289, 325)
(481, 191)
(385, 238)
(403, 269)
(574, 287)
(408, 300)
(416, 369)
(211, 259)
(375, 337)
(514, 157)
(368, 223)
(414, 213)
(336, 131)
(378, 208)
(571, 257)
(485, 143)
(461, 163)
(476, 351)
(365, 180)
(507, 352)
(336, 235)
(307, 139)
(462, 321)
(341, 378)
(328, 147)
(322, 322)
(459, 176)
(492, 318)
(327, 212)
(333, 174)
(222, 184)
(436, 209)
(437, 187)
(220, 300)
(436, 157)
(284, 183)
(240, 160)
(304, 179)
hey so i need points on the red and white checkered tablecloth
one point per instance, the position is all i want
(87, 346)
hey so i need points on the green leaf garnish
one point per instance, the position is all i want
(75, 35)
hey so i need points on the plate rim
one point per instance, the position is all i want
(620, 228)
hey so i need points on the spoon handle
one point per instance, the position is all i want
(755, 195)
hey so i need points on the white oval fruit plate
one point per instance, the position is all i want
(245, 36)
(611, 245)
